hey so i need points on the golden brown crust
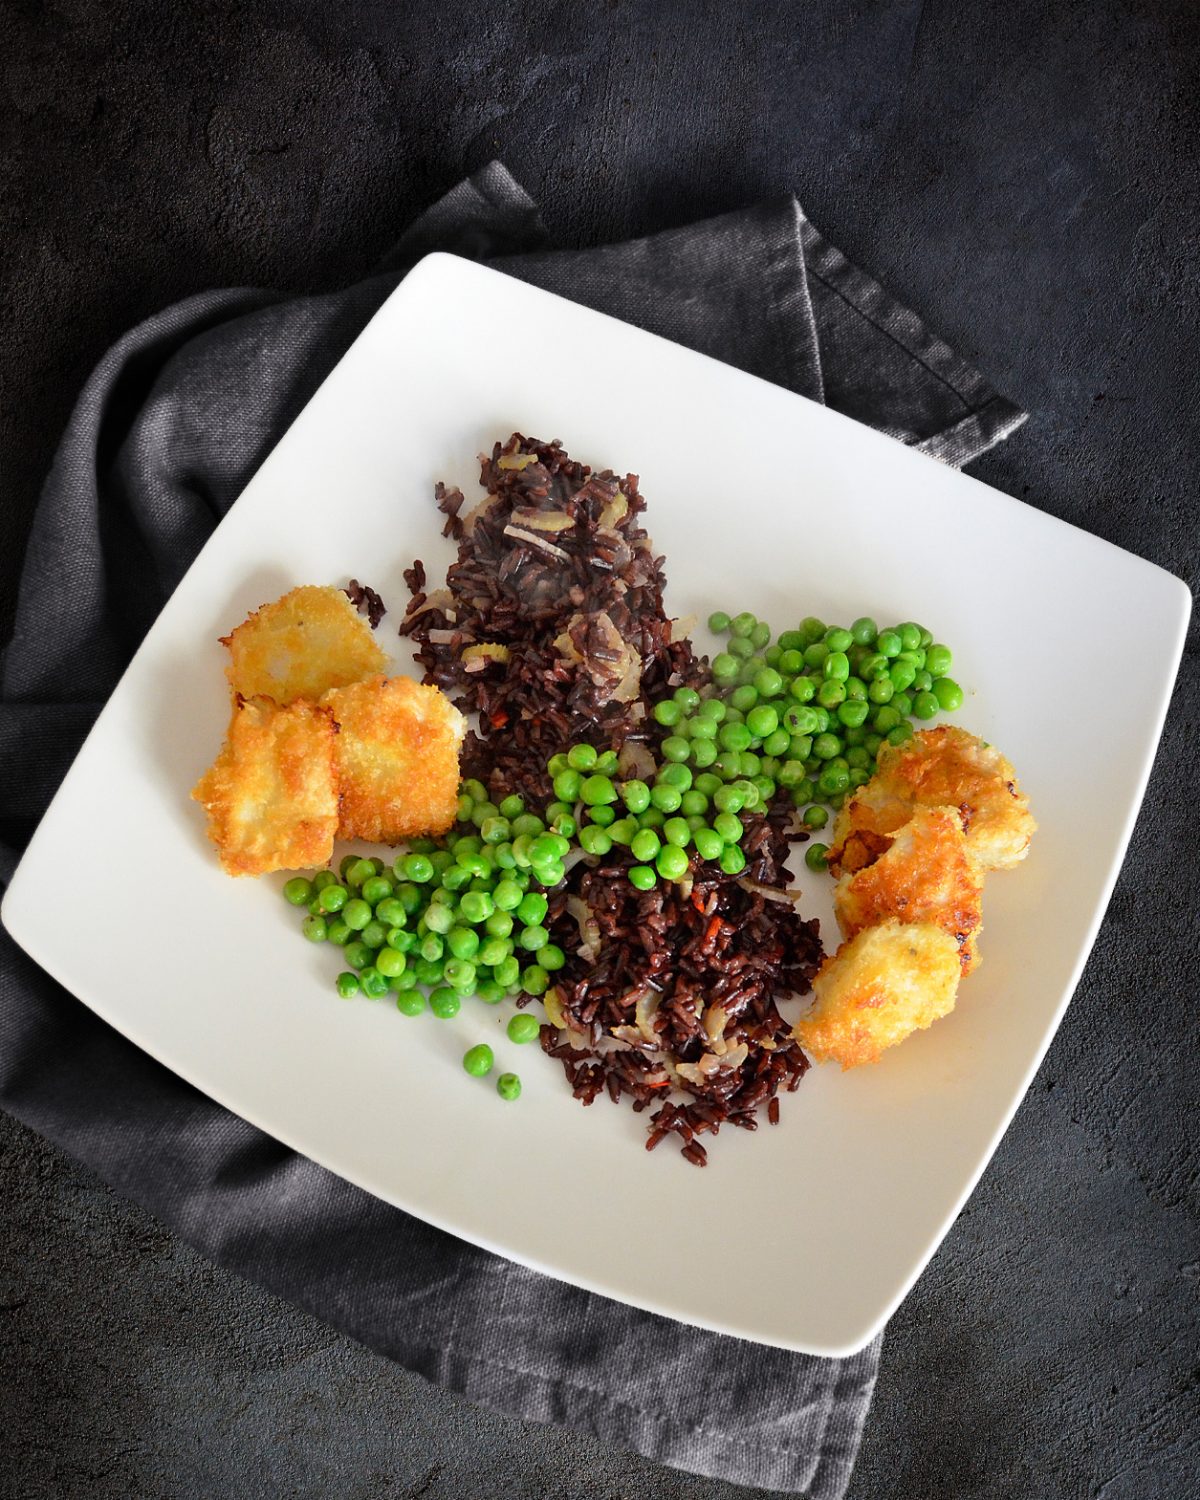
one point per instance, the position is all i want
(310, 640)
(877, 989)
(397, 758)
(271, 793)
(926, 874)
(943, 767)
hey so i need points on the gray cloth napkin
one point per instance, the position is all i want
(171, 425)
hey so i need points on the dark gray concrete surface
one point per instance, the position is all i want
(1026, 176)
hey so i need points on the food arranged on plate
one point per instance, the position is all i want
(609, 837)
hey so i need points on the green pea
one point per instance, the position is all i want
(680, 777)
(938, 659)
(668, 712)
(815, 816)
(666, 798)
(889, 643)
(732, 860)
(315, 929)
(760, 635)
(676, 748)
(729, 799)
(445, 1003)
(489, 991)
(427, 971)
(741, 625)
(507, 972)
(910, 636)
(337, 932)
(463, 942)
(298, 891)
(816, 856)
(837, 666)
(709, 843)
(802, 689)
(533, 937)
(903, 704)
(899, 735)
(692, 802)
(725, 668)
(598, 791)
(347, 985)
(948, 693)
(839, 640)
(853, 713)
(762, 721)
(358, 955)
(644, 845)
(798, 720)
(390, 963)
(643, 877)
(826, 746)
(332, 898)
(926, 704)
(864, 630)
(523, 1028)
(676, 831)
(603, 817)
(729, 826)
(776, 743)
(768, 683)
(830, 693)
(508, 1086)
(622, 831)
(356, 914)
(374, 934)
(833, 779)
(374, 985)
(418, 868)
(552, 957)
(744, 698)
(671, 862)
(699, 729)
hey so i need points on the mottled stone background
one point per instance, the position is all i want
(1024, 174)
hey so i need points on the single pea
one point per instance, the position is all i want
(356, 914)
(676, 831)
(477, 906)
(432, 946)
(459, 974)
(410, 1002)
(676, 775)
(729, 826)
(838, 640)
(535, 980)
(709, 843)
(552, 957)
(582, 757)
(881, 690)
(707, 783)
(358, 955)
(598, 791)
(550, 874)
(533, 937)
(474, 789)
(858, 759)
(729, 799)
(526, 824)
(836, 665)
(644, 845)
(732, 860)
(718, 622)
(445, 1003)
(508, 1086)
(872, 743)
(512, 807)
(507, 972)
(667, 712)
(622, 831)
(768, 683)
(948, 694)
(812, 628)
(489, 991)
(374, 934)
(392, 911)
(594, 840)
(792, 640)
(378, 888)
(315, 929)
(602, 817)
(899, 735)
(427, 971)
(903, 704)
(347, 985)
(910, 635)
(418, 869)
(507, 895)
(874, 664)
(499, 924)
(463, 942)
(772, 654)
(725, 667)
(825, 746)
(762, 721)
(666, 798)
(831, 693)
(744, 698)
(606, 762)
(643, 877)
(390, 963)
(698, 728)
(791, 773)
(557, 762)
(816, 856)
(333, 898)
(800, 720)
(776, 743)
(374, 984)
(742, 650)
(885, 718)
(361, 870)
(693, 802)
(925, 705)
(671, 862)
(790, 663)
(815, 655)
(299, 891)
(760, 635)
(888, 643)
(337, 932)
(864, 630)
(438, 918)
(735, 736)
(853, 713)
(833, 779)
(743, 624)
(939, 660)
(493, 951)
(802, 689)
(523, 1028)
(635, 795)
(712, 708)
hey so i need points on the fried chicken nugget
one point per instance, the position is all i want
(943, 767)
(271, 794)
(397, 758)
(310, 640)
(877, 989)
(927, 874)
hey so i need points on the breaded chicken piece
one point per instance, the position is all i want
(310, 640)
(877, 989)
(943, 767)
(397, 758)
(271, 794)
(927, 874)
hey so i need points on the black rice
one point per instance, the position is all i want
(366, 601)
(551, 628)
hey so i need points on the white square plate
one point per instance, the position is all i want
(758, 499)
